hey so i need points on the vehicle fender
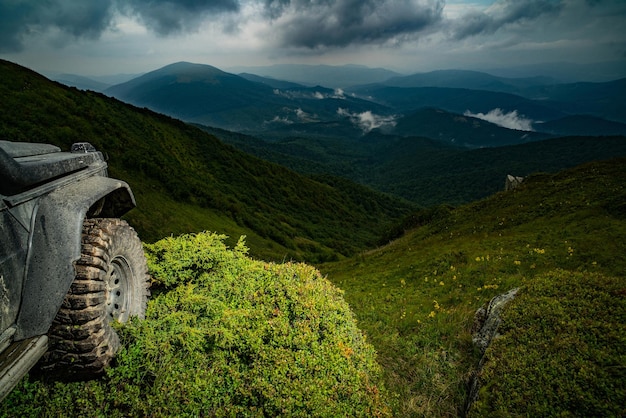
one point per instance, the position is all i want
(56, 245)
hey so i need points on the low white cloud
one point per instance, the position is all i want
(317, 95)
(304, 116)
(511, 120)
(367, 120)
(277, 119)
(293, 116)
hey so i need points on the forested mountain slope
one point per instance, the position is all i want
(186, 180)
(422, 170)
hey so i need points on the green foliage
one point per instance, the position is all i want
(232, 336)
(415, 298)
(562, 350)
(225, 335)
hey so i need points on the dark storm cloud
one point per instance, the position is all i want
(77, 18)
(83, 18)
(166, 17)
(338, 23)
(275, 8)
(505, 13)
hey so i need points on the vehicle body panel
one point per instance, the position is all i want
(45, 196)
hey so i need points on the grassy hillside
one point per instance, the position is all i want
(562, 239)
(229, 336)
(186, 180)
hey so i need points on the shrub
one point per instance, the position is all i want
(225, 335)
(562, 350)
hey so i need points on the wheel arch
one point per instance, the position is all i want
(55, 245)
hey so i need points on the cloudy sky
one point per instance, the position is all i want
(99, 37)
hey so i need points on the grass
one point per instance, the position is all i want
(562, 350)
(227, 335)
(415, 298)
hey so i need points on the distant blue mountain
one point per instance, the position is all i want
(463, 79)
(207, 95)
(582, 125)
(456, 100)
(272, 82)
(80, 82)
(407, 105)
(600, 99)
(461, 130)
(323, 75)
(606, 100)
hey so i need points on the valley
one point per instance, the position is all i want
(393, 192)
(405, 135)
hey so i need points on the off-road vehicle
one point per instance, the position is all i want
(69, 267)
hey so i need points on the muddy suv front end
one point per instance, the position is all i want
(52, 306)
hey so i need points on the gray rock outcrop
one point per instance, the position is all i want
(487, 320)
(512, 182)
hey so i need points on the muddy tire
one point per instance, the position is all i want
(111, 285)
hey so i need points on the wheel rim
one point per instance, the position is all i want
(118, 282)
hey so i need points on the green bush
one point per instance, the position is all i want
(562, 350)
(225, 335)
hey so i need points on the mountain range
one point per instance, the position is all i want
(253, 103)
(204, 94)
(186, 180)
(327, 75)
(413, 268)
(406, 141)
(381, 135)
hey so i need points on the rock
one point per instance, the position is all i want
(512, 182)
(487, 319)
